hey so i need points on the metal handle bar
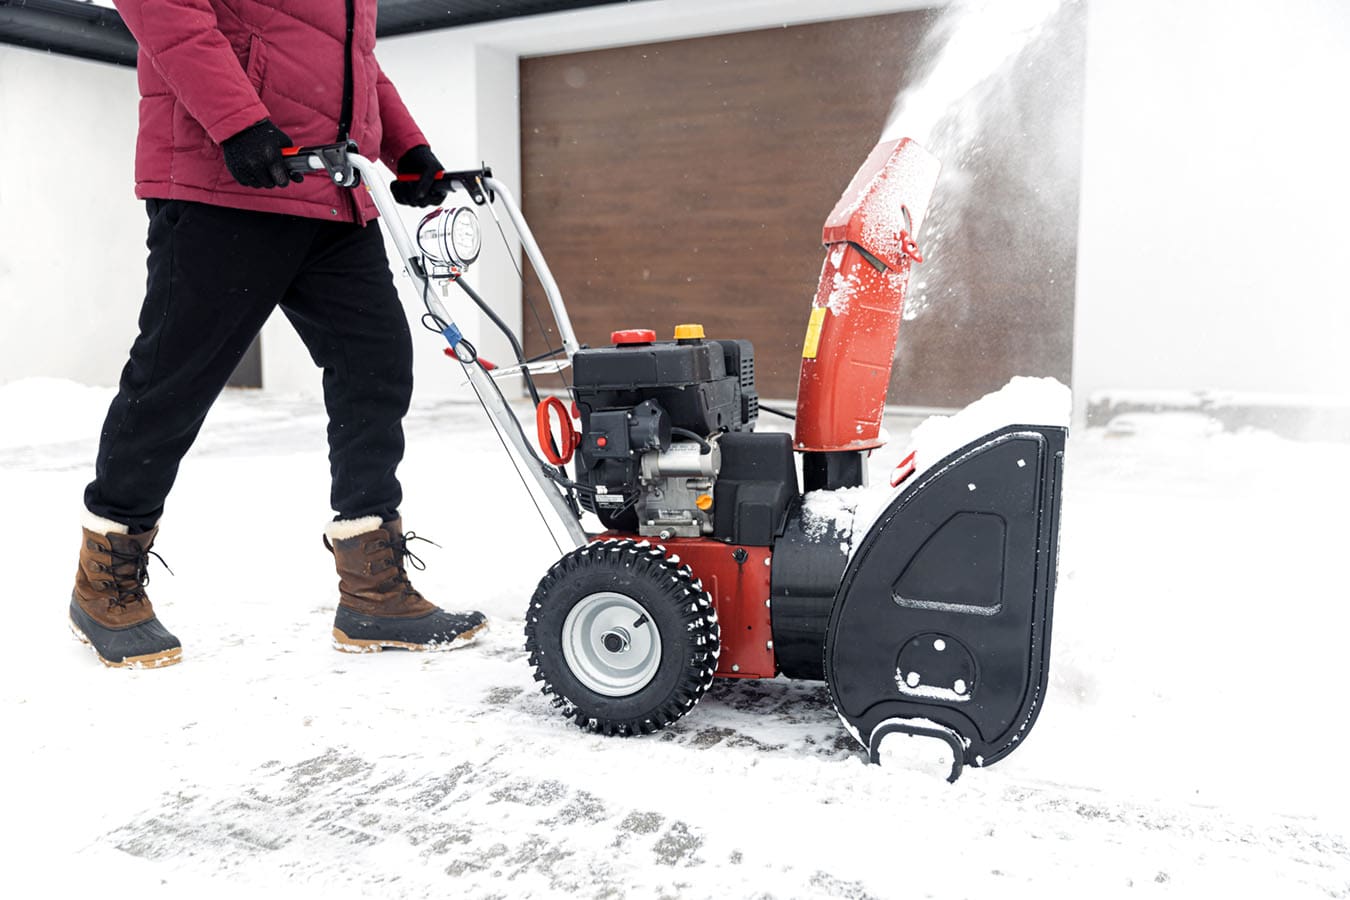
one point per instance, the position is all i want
(454, 181)
(536, 257)
(339, 162)
(348, 168)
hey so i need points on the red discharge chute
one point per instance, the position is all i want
(855, 318)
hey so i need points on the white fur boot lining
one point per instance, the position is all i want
(345, 529)
(100, 525)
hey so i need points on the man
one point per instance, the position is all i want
(224, 87)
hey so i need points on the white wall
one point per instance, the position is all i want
(72, 235)
(1213, 227)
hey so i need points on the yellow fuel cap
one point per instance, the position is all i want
(691, 332)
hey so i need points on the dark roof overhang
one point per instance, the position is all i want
(77, 28)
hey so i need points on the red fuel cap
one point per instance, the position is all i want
(632, 336)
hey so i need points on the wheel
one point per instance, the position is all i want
(622, 638)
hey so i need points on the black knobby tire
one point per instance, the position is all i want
(679, 610)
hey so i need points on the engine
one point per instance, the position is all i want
(668, 447)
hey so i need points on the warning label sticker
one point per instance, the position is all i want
(812, 345)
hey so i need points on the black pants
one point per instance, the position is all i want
(214, 276)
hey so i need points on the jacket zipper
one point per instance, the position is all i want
(345, 118)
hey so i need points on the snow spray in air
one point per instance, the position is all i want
(965, 108)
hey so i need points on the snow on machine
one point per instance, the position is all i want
(926, 609)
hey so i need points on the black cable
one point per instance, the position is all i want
(439, 325)
(559, 477)
(514, 464)
(704, 447)
(553, 474)
(525, 294)
(547, 354)
(437, 321)
(776, 412)
(509, 334)
(469, 356)
(570, 488)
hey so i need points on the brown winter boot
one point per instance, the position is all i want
(379, 608)
(109, 609)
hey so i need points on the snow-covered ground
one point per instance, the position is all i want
(1190, 745)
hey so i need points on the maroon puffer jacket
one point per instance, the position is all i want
(210, 68)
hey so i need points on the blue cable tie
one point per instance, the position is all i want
(453, 335)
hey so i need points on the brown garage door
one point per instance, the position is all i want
(688, 181)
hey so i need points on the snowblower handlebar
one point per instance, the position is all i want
(336, 161)
(333, 159)
(472, 181)
(346, 167)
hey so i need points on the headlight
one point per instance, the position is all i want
(465, 235)
(450, 237)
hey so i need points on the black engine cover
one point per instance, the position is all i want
(757, 485)
(701, 386)
(704, 386)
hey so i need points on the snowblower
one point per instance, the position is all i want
(928, 616)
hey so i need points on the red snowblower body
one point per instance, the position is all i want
(928, 615)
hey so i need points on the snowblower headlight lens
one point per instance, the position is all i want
(450, 237)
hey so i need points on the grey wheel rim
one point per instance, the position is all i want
(611, 645)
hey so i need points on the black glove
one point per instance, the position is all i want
(424, 191)
(254, 158)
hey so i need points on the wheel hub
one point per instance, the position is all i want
(610, 644)
(616, 640)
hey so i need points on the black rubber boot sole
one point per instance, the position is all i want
(439, 630)
(145, 645)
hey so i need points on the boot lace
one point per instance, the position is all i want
(400, 578)
(131, 573)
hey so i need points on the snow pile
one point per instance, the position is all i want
(60, 410)
(1174, 424)
(830, 515)
(1022, 401)
(844, 515)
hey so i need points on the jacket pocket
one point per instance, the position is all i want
(257, 62)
